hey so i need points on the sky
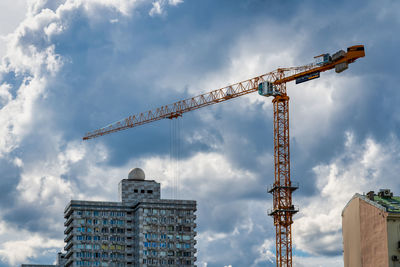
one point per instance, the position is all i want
(71, 66)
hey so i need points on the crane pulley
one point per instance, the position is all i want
(269, 84)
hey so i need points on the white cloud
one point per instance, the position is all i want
(175, 2)
(17, 116)
(266, 252)
(12, 12)
(156, 9)
(317, 261)
(31, 56)
(317, 106)
(17, 245)
(159, 6)
(5, 95)
(361, 168)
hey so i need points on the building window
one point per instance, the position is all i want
(142, 191)
(149, 191)
(135, 190)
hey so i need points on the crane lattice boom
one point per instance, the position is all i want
(178, 108)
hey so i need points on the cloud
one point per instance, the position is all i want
(318, 261)
(231, 223)
(159, 6)
(74, 66)
(22, 245)
(156, 10)
(359, 169)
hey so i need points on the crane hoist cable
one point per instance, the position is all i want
(175, 156)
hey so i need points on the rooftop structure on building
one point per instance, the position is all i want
(140, 230)
(371, 235)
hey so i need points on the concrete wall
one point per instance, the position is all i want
(133, 191)
(393, 227)
(373, 236)
(352, 234)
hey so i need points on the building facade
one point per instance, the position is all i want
(371, 230)
(140, 230)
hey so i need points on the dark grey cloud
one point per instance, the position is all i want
(10, 176)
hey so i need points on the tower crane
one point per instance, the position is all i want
(269, 84)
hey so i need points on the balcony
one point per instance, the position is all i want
(68, 230)
(68, 237)
(67, 222)
(69, 262)
(69, 254)
(69, 245)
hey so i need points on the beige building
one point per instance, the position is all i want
(371, 230)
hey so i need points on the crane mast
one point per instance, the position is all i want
(269, 84)
(282, 188)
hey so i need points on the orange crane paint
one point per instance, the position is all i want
(269, 84)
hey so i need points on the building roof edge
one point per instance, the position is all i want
(364, 198)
